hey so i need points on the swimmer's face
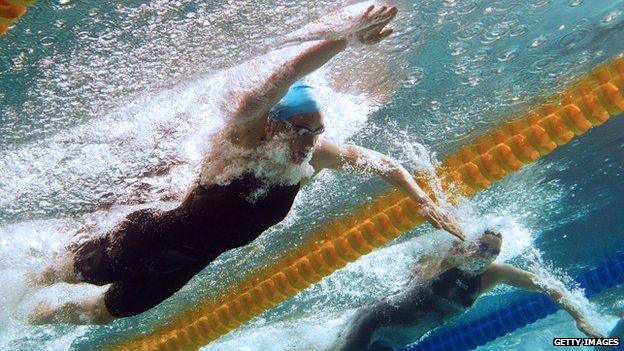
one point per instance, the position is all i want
(303, 131)
(480, 254)
(487, 246)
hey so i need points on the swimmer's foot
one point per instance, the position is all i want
(42, 314)
(61, 271)
(45, 278)
(82, 312)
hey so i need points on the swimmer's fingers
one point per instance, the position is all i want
(382, 35)
(374, 16)
(387, 15)
(374, 35)
(435, 222)
(592, 333)
(373, 24)
(456, 231)
(391, 13)
(449, 225)
(588, 330)
(379, 12)
(429, 214)
(441, 220)
(368, 11)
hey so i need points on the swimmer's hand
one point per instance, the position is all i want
(440, 219)
(588, 329)
(374, 21)
(359, 22)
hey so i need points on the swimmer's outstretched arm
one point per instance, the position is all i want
(340, 24)
(256, 103)
(328, 154)
(506, 274)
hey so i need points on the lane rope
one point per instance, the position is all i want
(11, 11)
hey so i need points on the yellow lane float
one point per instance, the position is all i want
(10, 11)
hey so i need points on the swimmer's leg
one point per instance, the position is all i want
(86, 311)
(359, 333)
(89, 262)
(61, 270)
(119, 254)
(122, 299)
(146, 291)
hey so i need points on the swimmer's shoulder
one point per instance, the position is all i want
(326, 154)
(246, 134)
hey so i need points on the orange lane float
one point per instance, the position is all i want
(589, 102)
(10, 11)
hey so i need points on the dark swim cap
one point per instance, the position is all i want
(298, 100)
(492, 233)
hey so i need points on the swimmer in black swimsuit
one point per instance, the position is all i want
(439, 292)
(242, 190)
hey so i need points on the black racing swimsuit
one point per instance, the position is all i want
(428, 304)
(457, 287)
(152, 253)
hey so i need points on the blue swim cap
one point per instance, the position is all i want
(298, 100)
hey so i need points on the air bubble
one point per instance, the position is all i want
(538, 4)
(542, 64)
(414, 78)
(575, 3)
(518, 31)
(466, 8)
(538, 41)
(583, 23)
(456, 48)
(471, 31)
(508, 55)
(495, 32)
(47, 41)
(612, 19)
(574, 39)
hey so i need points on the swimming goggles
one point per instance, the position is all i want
(301, 131)
(485, 248)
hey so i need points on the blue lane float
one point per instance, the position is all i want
(526, 310)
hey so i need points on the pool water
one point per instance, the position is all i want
(106, 107)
